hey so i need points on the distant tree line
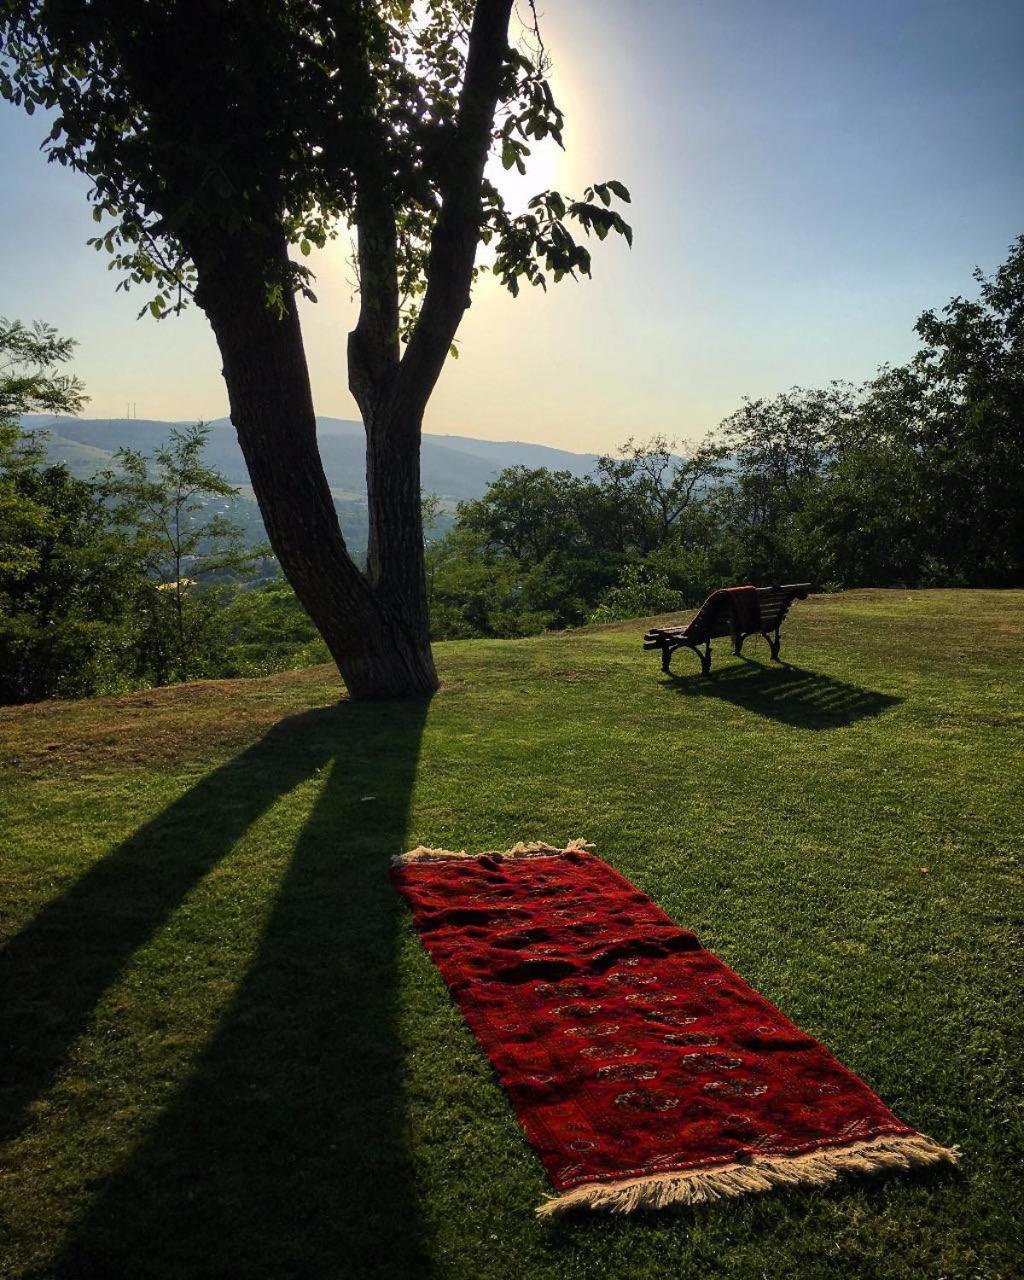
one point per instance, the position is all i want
(916, 478)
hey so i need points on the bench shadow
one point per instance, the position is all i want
(789, 694)
(284, 1153)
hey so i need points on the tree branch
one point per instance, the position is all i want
(456, 233)
(373, 345)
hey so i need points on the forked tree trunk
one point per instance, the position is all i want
(375, 625)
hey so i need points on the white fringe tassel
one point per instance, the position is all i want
(536, 850)
(700, 1186)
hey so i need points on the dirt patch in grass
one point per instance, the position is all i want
(196, 720)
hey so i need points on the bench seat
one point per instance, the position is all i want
(735, 612)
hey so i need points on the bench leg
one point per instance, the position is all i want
(704, 655)
(773, 644)
(737, 644)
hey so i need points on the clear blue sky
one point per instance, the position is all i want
(808, 175)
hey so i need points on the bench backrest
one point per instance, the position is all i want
(774, 603)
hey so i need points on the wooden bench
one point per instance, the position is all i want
(733, 612)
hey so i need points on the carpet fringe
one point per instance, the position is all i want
(534, 850)
(701, 1186)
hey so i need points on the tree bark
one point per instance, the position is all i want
(379, 638)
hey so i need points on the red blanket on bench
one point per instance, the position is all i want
(746, 608)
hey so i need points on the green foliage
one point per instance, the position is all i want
(29, 377)
(639, 591)
(914, 479)
(962, 401)
(474, 591)
(535, 551)
(30, 382)
(162, 506)
(132, 579)
(528, 513)
(650, 489)
(171, 119)
(68, 612)
(262, 629)
(64, 579)
(544, 549)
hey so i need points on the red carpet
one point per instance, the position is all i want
(644, 1071)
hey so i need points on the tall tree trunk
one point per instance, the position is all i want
(395, 562)
(374, 625)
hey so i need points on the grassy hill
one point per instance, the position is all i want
(225, 1052)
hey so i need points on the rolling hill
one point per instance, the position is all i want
(456, 468)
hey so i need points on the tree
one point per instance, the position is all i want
(638, 593)
(650, 486)
(64, 580)
(68, 613)
(783, 451)
(218, 136)
(30, 382)
(160, 506)
(960, 403)
(528, 512)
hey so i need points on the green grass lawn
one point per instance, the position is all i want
(223, 1052)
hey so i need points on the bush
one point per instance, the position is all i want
(73, 658)
(640, 591)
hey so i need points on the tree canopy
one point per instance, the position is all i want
(318, 112)
(31, 381)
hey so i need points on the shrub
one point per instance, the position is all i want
(639, 591)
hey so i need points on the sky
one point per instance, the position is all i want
(807, 177)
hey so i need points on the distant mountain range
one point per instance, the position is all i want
(456, 468)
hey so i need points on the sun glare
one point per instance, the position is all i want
(546, 168)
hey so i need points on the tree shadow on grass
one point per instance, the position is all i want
(53, 973)
(786, 693)
(283, 1154)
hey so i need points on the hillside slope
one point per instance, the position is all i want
(455, 467)
(226, 1053)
